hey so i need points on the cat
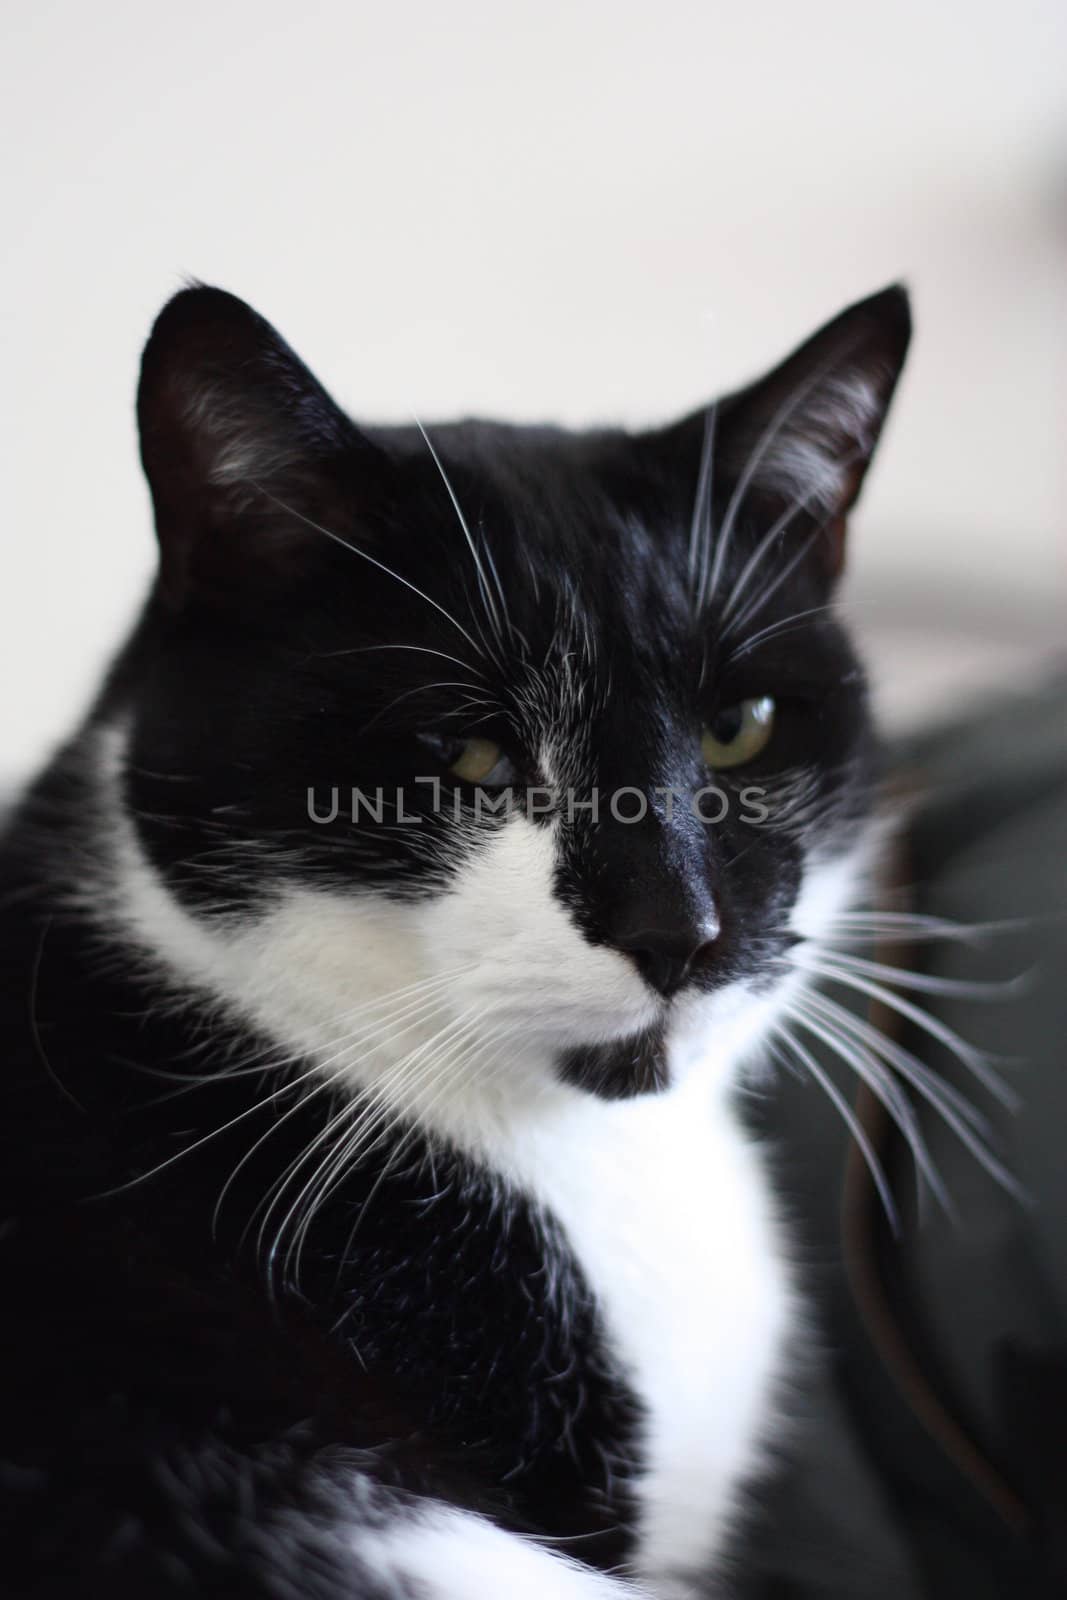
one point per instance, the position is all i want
(381, 962)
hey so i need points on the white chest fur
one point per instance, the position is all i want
(664, 1204)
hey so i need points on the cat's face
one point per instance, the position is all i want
(502, 751)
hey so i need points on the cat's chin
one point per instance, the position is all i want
(703, 1032)
(621, 1068)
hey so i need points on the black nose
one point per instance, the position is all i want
(666, 956)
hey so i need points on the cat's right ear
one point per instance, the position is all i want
(242, 446)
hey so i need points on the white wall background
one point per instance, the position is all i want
(582, 211)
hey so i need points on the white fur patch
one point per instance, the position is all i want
(664, 1205)
(454, 1555)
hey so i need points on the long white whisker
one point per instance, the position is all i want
(957, 1113)
(418, 649)
(884, 1085)
(488, 601)
(420, 1116)
(373, 1122)
(850, 1119)
(916, 927)
(786, 625)
(793, 400)
(420, 688)
(374, 562)
(960, 988)
(774, 533)
(923, 1078)
(800, 554)
(701, 531)
(395, 1025)
(972, 1058)
(250, 1111)
(368, 1112)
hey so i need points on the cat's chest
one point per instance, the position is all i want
(663, 1202)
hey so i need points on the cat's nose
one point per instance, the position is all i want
(666, 954)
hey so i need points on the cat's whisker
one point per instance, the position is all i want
(327, 1081)
(789, 624)
(775, 533)
(917, 927)
(701, 530)
(371, 1109)
(492, 708)
(975, 1060)
(928, 983)
(473, 1059)
(419, 1111)
(883, 1085)
(413, 995)
(904, 1062)
(386, 1025)
(801, 504)
(418, 649)
(420, 688)
(784, 573)
(198, 1144)
(392, 1117)
(792, 403)
(275, 1193)
(375, 1122)
(848, 1117)
(965, 1121)
(374, 562)
(478, 722)
(394, 1026)
(379, 1110)
(495, 608)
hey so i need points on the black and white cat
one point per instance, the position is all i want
(379, 962)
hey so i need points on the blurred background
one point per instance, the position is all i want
(587, 212)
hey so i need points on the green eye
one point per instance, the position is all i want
(737, 734)
(478, 760)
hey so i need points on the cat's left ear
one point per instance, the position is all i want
(243, 448)
(798, 442)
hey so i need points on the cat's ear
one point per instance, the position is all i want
(241, 444)
(799, 440)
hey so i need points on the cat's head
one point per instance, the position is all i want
(604, 739)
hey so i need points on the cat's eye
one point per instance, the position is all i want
(738, 733)
(481, 761)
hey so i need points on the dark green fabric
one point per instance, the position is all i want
(868, 1504)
